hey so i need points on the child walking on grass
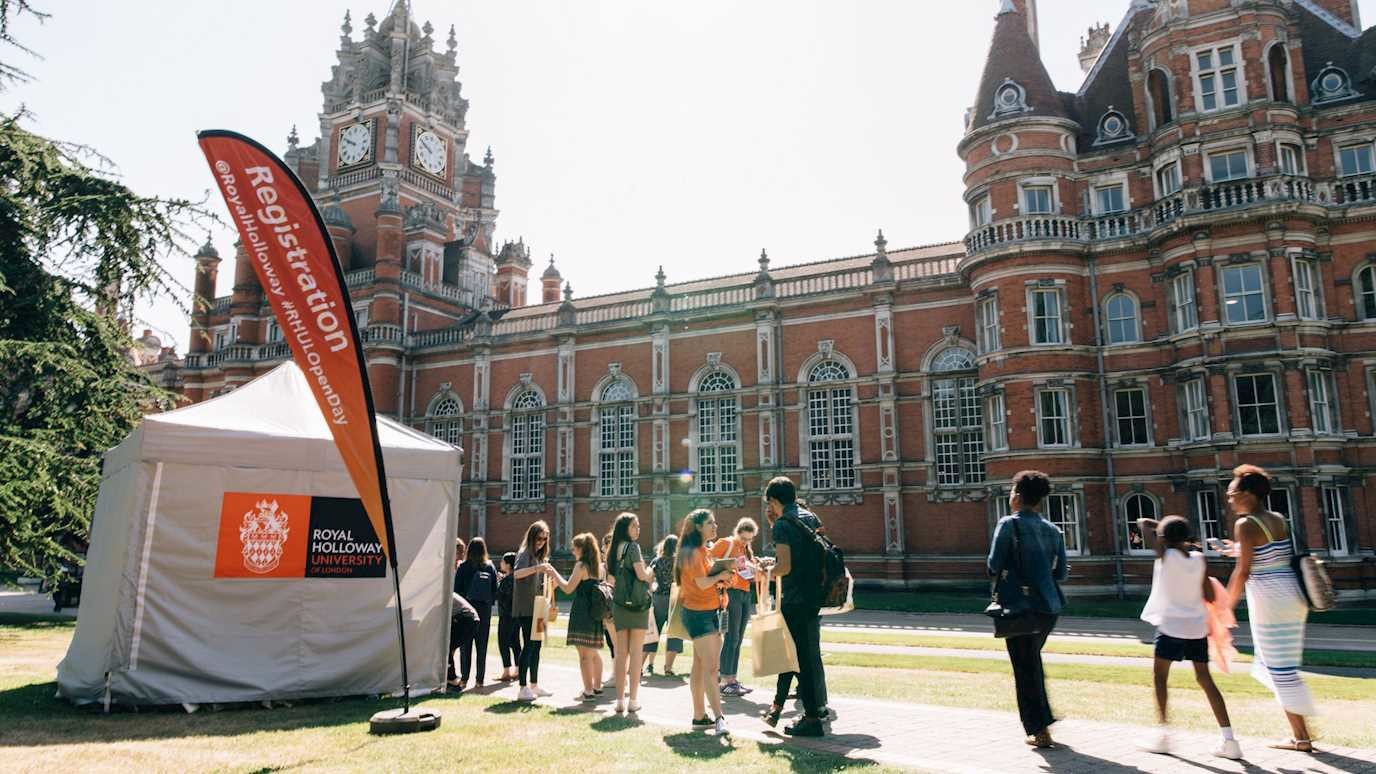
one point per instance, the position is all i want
(1180, 587)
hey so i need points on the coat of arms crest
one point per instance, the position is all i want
(263, 532)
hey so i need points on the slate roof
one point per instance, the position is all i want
(1012, 54)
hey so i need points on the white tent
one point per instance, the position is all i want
(156, 626)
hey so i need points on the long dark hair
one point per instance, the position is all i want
(477, 552)
(668, 547)
(690, 535)
(621, 533)
(587, 548)
(528, 542)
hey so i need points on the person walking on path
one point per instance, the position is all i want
(585, 628)
(630, 608)
(530, 572)
(508, 634)
(798, 562)
(1180, 587)
(739, 606)
(663, 567)
(476, 581)
(1276, 607)
(700, 597)
(1030, 580)
(463, 625)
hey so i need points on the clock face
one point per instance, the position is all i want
(430, 152)
(355, 144)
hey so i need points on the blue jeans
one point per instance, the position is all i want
(738, 610)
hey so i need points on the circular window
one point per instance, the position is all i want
(1008, 97)
(1332, 82)
(1113, 126)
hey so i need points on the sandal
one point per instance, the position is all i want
(771, 715)
(1296, 745)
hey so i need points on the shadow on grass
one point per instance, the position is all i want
(614, 723)
(511, 707)
(699, 745)
(805, 759)
(33, 715)
(37, 621)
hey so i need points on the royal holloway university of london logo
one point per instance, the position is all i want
(263, 534)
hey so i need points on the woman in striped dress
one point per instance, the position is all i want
(1276, 607)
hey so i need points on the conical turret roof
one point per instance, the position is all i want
(1013, 58)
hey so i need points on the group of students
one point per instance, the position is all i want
(708, 582)
(1191, 611)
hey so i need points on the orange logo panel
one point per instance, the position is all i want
(263, 535)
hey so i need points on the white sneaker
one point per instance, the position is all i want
(1229, 749)
(720, 726)
(539, 691)
(1159, 742)
(633, 706)
(525, 694)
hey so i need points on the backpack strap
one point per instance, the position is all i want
(1264, 529)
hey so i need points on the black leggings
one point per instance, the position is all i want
(530, 650)
(479, 639)
(508, 641)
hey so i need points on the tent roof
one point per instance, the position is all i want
(274, 421)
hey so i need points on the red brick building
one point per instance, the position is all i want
(1168, 272)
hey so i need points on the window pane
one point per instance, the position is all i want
(1225, 57)
(1206, 500)
(1206, 60)
(1335, 521)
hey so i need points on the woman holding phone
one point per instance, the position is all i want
(700, 595)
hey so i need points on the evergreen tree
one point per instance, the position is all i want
(76, 245)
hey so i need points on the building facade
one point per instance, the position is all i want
(1169, 272)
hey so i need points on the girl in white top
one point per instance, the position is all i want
(1179, 588)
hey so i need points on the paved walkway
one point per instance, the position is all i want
(946, 739)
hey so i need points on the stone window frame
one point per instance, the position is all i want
(1173, 281)
(1367, 266)
(1147, 418)
(986, 329)
(625, 456)
(1238, 66)
(1297, 145)
(1198, 511)
(1228, 148)
(1298, 258)
(1050, 183)
(1170, 161)
(981, 211)
(1350, 141)
(1057, 286)
(1331, 495)
(1076, 521)
(996, 441)
(965, 394)
(1118, 181)
(1129, 522)
(532, 417)
(1136, 318)
(1072, 434)
(445, 425)
(695, 388)
(1171, 108)
(1289, 72)
(1186, 411)
(1221, 268)
(1281, 414)
(1318, 379)
(806, 439)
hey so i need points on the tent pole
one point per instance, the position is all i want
(401, 637)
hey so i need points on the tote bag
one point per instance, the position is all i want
(673, 626)
(651, 629)
(545, 611)
(771, 644)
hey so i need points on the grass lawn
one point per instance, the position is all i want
(974, 600)
(479, 733)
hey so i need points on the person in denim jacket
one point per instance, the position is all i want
(1037, 587)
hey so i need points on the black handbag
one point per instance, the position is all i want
(1008, 622)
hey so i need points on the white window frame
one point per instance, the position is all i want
(1296, 151)
(957, 429)
(717, 435)
(1195, 399)
(1064, 405)
(221, 335)
(981, 212)
(1276, 405)
(1162, 191)
(1308, 286)
(1208, 517)
(525, 422)
(1217, 71)
(1344, 169)
(1062, 510)
(1335, 520)
(1098, 204)
(1368, 272)
(274, 332)
(361, 316)
(1059, 329)
(1324, 418)
(987, 327)
(444, 419)
(1184, 304)
(1144, 418)
(1224, 295)
(1247, 168)
(829, 403)
(1130, 521)
(615, 439)
(1134, 326)
(1052, 198)
(996, 410)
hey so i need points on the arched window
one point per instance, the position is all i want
(957, 419)
(1159, 94)
(527, 437)
(1120, 316)
(831, 427)
(1137, 506)
(718, 446)
(616, 421)
(1366, 293)
(1278, 66)
(444, 420)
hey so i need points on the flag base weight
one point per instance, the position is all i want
(397, 721)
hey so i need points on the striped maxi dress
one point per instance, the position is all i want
(1276, 609)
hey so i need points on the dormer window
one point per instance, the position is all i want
(1009, 98)
(1332, 84)
(1113, 127)
(1218, 78)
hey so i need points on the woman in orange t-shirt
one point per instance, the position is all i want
(738, 602)
(700, 601)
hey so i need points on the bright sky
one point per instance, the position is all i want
(626, 134)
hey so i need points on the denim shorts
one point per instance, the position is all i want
(1175, 649)
(701, 623)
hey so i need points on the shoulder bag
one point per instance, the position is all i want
(1009, 622)
(631, 592)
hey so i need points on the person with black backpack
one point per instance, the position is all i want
(476, 581)
(800, 558)
(630, 608)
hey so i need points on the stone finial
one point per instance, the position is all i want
(208, 249)
(659, 278)
(293, 139)
(881, 268)
(427, 28)
(370, 24)
(551, 272)
(568, 293)
(764, 260)
(453, 42)
(880, 244)
(348, 26)
(487, 158)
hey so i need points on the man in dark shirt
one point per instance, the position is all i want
(799, 564)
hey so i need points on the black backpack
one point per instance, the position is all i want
(599, 596)
(835, 586)
(480, 585)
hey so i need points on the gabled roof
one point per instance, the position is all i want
(1013, 56)
(1108, 85)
